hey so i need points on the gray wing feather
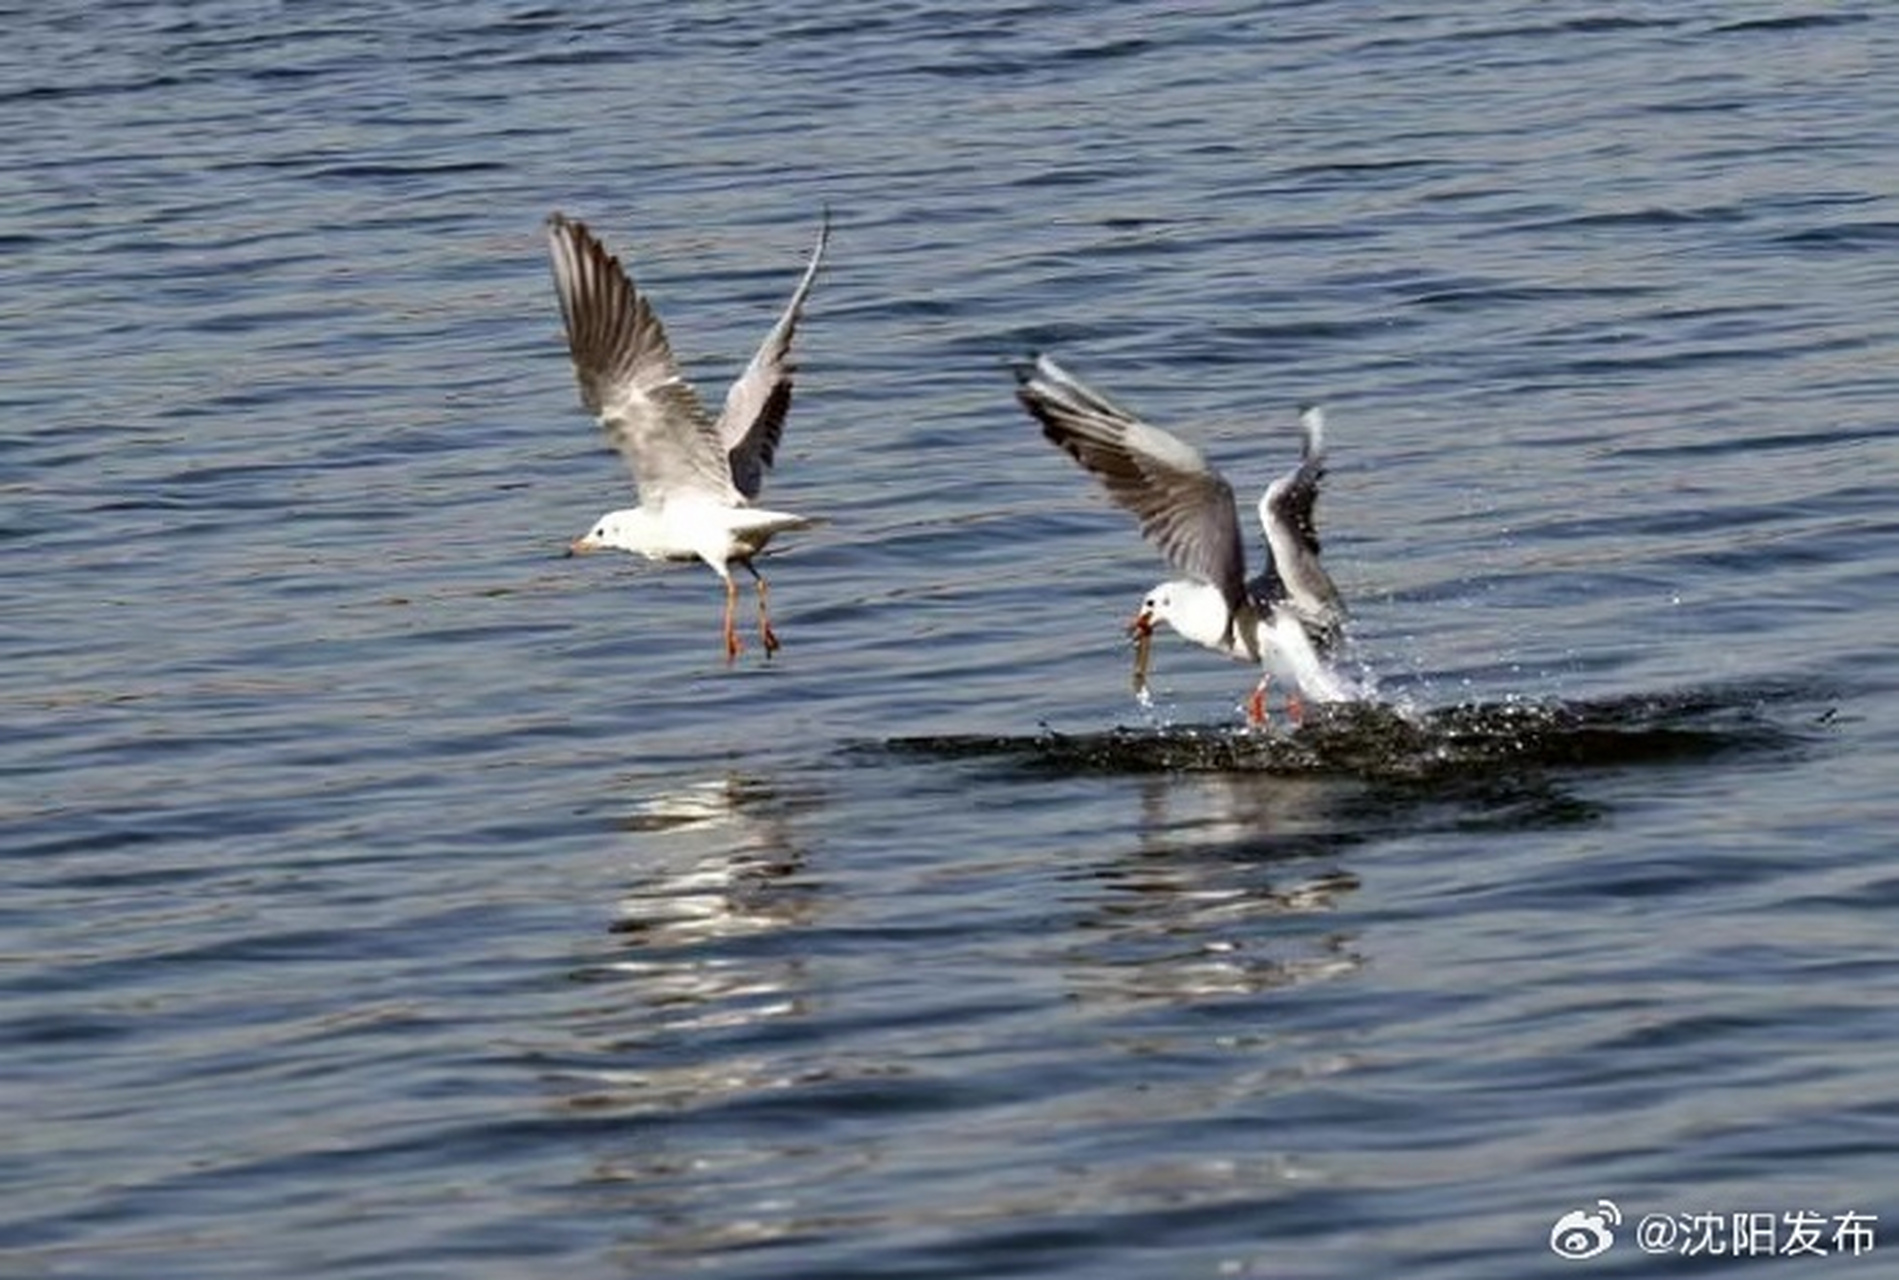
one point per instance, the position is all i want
(628, 377)
(1185, 506)
(754, 416)
(1292, 536)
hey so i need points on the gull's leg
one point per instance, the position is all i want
(1295, 709)
(1256, 704)
(765, 633)
(732, 645)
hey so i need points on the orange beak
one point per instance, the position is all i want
(579, 547)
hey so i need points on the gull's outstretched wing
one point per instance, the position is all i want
(755, 407)
(628, 376)
(1292, 536)
(1185, 506)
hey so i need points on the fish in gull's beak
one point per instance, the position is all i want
(1141, 631)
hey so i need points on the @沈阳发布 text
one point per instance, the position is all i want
(1584, 1233)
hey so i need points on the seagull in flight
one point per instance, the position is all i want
(1284, 620)
(697, 476)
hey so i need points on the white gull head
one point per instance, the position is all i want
(1197, 611)
(628, 529)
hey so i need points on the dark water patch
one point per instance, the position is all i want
(990, 66)
(1659, 522)
(40, 1030)
(263, 321)
(1476, 296)
(415, 169)
(110, 89)
(1546, 38)
(1582, 372)
(1850, 235)
(1791, 22)
(1723, 104)
(1384, 743)
(1605, 22)
(1103, 51)
(1354, 168)
(527, 20)
(1075, 175)
(577, 54)
(1242, 343)
(1624, 219)
(56, 839)
(1320, 233)
(1542, 31)
(1779, 441)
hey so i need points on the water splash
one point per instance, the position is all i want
(1405, 742)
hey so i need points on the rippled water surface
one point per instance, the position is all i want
(385, 895)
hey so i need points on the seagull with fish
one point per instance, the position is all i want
(1285, 620)
(697, 476)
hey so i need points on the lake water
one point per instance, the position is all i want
(387, 896)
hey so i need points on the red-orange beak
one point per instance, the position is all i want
(579, 547)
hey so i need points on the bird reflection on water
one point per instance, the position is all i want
(716, 865)
(1227, 893)
(725, 864)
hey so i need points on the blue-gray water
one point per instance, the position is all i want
(386, 896)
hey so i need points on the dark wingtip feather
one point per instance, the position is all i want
(1051, 428)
